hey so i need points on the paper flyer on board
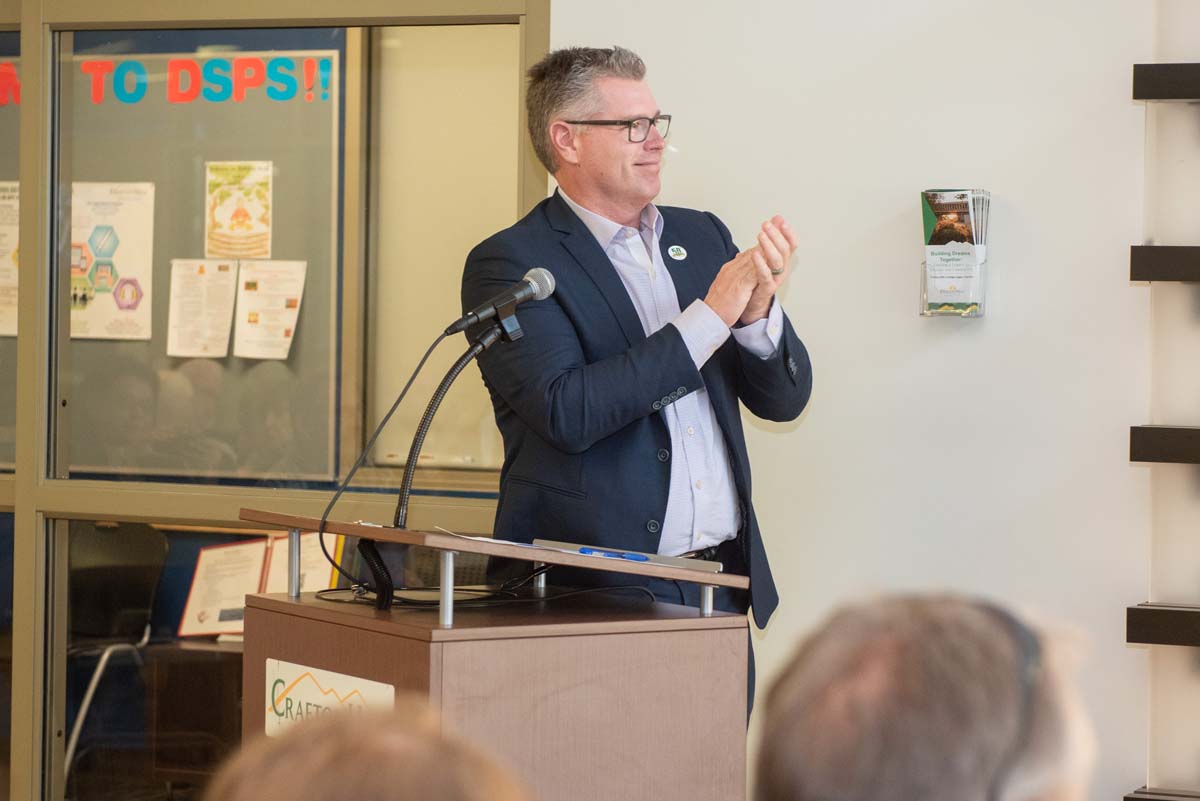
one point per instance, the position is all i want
(112, 250)
(201, 311)
(268, 307)
(237, 220)
(9, 231)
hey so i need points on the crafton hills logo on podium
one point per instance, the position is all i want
(296, 692)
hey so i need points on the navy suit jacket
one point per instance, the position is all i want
(578, 399)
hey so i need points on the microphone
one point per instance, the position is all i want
(538, 284)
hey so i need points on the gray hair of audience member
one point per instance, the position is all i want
(562, 86)
(920, 697)
(364, 756)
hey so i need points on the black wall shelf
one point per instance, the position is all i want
(1162, 624)
(1164, 263)
(1166, 81)
(1169, 444)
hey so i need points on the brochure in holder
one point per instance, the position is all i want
(954, 273)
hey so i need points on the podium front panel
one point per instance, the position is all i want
(588, 701)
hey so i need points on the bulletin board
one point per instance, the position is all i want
(155, 107)
(9, 169)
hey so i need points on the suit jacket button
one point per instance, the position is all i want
(656, 405)
(663, 454)
(682, 391)
(666, 399)
(652, 526)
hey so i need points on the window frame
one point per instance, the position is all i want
(40, 498)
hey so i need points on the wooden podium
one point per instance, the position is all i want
(594, 697)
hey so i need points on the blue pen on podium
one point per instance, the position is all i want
(633, 557)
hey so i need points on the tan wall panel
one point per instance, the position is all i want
(446, 162)
(220, 505)
(225, 13)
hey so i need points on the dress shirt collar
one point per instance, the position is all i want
(605, 230)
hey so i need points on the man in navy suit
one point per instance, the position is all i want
(619, 407)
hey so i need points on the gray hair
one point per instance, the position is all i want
(563, 85)
(918, 697)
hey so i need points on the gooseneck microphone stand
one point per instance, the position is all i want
(481, 343)
(507, 329)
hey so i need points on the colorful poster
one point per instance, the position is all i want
(268, 307)
(237, 219)
(9, 213)
(112, 250)
(201, 312)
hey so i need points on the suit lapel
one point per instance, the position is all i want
(685, 273)
(580, 243)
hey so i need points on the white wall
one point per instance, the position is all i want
(989, 456)
(1172, 195)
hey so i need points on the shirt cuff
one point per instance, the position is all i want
(762, 337)
(703, 331)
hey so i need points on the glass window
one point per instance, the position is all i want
(198, 233)
(10, 106)
(156, 716)
(6, 628)
(447, 136)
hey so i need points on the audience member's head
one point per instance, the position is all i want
(364, 756)
(924, 697)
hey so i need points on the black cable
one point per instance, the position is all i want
(679, 589)
(361, 458)
(571, 593)
(518, 581)
(384, 587)
(324, 595)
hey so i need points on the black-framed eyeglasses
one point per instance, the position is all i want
(639, 127)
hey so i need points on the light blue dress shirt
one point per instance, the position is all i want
(702, 506)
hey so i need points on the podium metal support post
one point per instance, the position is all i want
(446, 599)
(293, 563)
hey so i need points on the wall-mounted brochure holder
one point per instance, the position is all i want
(953, 290)
(954, 273)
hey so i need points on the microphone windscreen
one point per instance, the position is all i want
(543, 282)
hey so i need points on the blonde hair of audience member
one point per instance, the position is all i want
(912, 698)
(364, 756)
